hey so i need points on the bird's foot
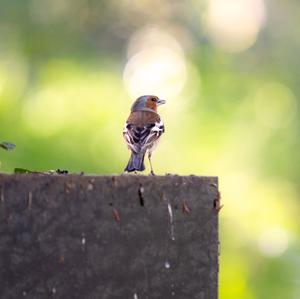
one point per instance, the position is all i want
(152, 173)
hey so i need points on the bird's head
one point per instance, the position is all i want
(147, 103)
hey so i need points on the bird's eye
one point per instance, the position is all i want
(153, 99)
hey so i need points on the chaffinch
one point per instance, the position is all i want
(142, 131)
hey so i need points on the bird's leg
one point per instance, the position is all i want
(149, 157)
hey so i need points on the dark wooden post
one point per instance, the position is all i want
(108, 237)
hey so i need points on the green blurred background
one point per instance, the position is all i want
(229, 69)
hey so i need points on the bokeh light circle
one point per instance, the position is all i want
(233, 25)
(156, 65)
(273, 242)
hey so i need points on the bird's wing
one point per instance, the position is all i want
(139, 139)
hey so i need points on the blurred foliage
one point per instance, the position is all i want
(232, 109)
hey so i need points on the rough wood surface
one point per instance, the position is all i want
(108, 237)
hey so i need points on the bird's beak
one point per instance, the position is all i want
(160, 102)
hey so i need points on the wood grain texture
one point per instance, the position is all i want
(108, 237)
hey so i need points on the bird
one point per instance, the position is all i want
(142, 131)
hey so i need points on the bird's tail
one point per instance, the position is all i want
(136, 162)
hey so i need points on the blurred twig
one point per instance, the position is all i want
(7, 146)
